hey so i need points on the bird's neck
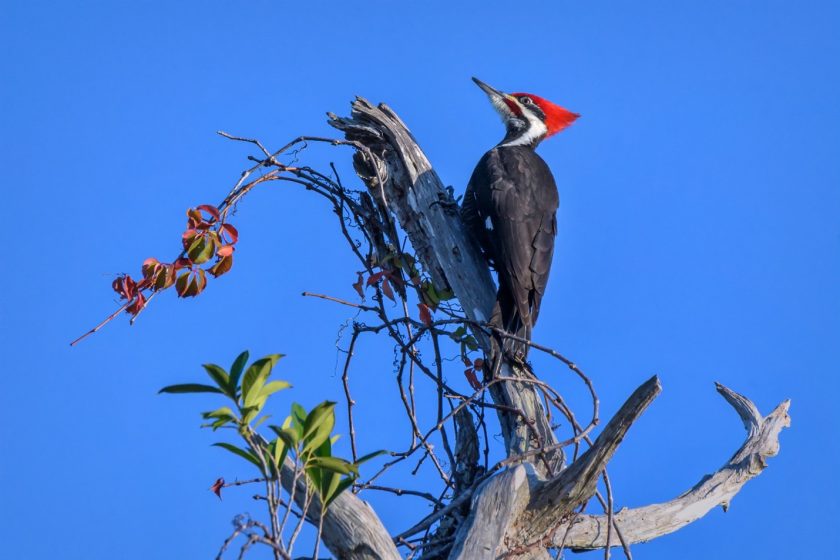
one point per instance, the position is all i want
(520, 133)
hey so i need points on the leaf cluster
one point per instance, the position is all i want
(304, 440)
(207, 236)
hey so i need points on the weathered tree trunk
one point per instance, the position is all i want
(398, 173)
(525, 509)
(351, 529)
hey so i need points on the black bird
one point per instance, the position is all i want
(510, 208)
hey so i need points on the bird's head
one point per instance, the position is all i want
(528, 118)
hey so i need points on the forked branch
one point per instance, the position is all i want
(517, 510)
(649, 522)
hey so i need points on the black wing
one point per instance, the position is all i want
(510, 207)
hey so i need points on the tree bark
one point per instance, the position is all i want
(351, 529)
(397, 172)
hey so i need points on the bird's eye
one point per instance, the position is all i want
(525, 100)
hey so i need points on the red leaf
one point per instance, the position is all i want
(183, 262)
(188, 237)
(192, 287)
(190, 284)
(217, 487)
(224, 251)
(425, 314)
(386, 289)
(137, 305)
(150, 269)
(394, 276)
(200, 281)
(231, 232)
(478, 363)
(374, 278)
(210, 209)
(195, 219)
(165, 277)
(222, 266)
(182, 283)
(472, 379)
(358, 286)
(116, 285)
(125, 287)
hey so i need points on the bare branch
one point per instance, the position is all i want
(649, 522)
(555, 499)
(534, 509)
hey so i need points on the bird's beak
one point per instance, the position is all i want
(501, 101)
(489, 90)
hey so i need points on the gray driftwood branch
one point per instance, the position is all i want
(649, 522)
(518, 510)
(351, 529)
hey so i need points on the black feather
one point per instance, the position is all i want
(513, 187)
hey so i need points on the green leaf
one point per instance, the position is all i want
(432, 296)
(245, 454)
(288, 435)
(268, 456)
(275, 428)
(445, 295)
(320, 414)
(250, 412)
(315, 476)
(279, 452)
(189, 388)
(319, 424)
(273, 387)
(330, 489)
(236, 371)
(333, 464)
(298, 418)
(219, 423)
(255, 377)
(343, 485)
(370, 456)
(324, 450)
(223, 412)
(219, 375)
(201, 250)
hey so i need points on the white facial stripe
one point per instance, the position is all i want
(536, 129)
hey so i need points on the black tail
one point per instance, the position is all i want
(507, 317)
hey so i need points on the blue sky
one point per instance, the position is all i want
(699, 239)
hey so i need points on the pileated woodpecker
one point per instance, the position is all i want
(510, 208)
